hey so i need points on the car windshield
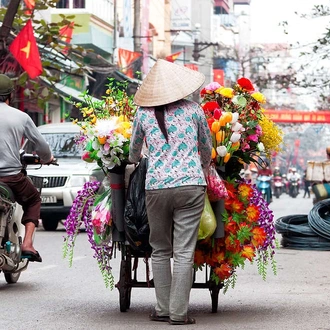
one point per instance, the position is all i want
(62, 144)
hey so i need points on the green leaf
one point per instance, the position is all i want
(45, 92)
(239, 100)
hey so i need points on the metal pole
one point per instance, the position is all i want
(114, 47)
(137, 26)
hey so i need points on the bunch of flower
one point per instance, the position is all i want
(92, 210)
(249, 235)
(238, 124)
(106, 126)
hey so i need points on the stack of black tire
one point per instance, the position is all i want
(306, 231)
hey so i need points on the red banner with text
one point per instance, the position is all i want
(292, 116)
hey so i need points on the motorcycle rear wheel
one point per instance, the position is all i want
(12, 278)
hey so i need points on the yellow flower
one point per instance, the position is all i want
(259, 97)
(272, 135)
(227, 92)
(217, 91)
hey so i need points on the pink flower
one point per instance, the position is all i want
(258, 130)
(212, 86)
(86, 157)
(253, 137)
(245, 146)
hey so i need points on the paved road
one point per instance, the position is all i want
(53, 296)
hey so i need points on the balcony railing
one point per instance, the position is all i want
(102, 9)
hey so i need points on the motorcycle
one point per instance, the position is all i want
(294, 187)
(11, 229)
(263, 185)
(278, 186)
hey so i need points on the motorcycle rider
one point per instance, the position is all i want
(266, 171)
(277, 171)
(294, 176)
(15, 125)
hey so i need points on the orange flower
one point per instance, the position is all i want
(220, 136)
(231, 227)
(102, 139)
(248, 252)
(224, 271)
(232, 245)
(215, 127)
(227, 157)
(259, 236)
(237, 206)
(253, 213)
(199, 258)
(214, 153)
(245, 190)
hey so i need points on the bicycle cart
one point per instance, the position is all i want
(128, 276)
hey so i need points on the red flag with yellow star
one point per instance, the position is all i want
(30, 4)
(173, 57)
(65, 34)
(25, 50)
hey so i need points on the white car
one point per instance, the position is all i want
(61, 183)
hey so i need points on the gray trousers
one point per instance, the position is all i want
(174, 215)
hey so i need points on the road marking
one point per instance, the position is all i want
(47, 267)
(78, 258)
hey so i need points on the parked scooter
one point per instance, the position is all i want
(11, 229)
(264, 186)
(278, 186)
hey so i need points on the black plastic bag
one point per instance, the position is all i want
(135, 215)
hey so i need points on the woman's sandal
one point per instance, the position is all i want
(154, 317)
(188, 320)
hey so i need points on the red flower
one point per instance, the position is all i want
(210, 121)
(203, 92)
(210, 106)
(231, 227)
(245, 84)
(216, 114)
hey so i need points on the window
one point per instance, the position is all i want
(63, 4)
(70, 4)
(78, 3)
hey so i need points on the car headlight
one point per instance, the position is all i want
(77, 181)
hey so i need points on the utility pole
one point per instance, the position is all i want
(115, 35)
(200, 46)
(137, 26)
(8, 22)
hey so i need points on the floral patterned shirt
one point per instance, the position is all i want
(178, 162)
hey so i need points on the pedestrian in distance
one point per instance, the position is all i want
(179, 145)
(15, 125)
(306, 185)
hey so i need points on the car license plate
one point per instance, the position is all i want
(48, 199)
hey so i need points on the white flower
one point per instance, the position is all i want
(222, 151)
(104, 127)
(234, 118)
(237, 127)
(235, 137)
(260, 147)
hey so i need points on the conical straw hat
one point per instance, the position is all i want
(166, 83)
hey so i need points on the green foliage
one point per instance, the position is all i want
(108, 278)
(230, 282)
(54, 61)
